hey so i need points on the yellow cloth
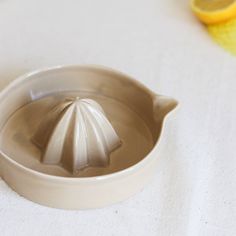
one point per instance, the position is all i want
(225, 35)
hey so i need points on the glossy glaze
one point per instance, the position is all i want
(76, 134)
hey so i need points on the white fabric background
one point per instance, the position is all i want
(160, 43)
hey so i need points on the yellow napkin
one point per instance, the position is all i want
(224, 34)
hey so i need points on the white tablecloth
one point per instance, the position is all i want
(160, 43)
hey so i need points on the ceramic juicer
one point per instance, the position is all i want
(79, 137)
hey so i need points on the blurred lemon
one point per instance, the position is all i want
(214, 11)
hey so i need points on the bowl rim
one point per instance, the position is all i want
(116, 174)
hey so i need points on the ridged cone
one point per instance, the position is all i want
(76, 134)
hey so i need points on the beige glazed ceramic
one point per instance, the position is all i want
(79, 137)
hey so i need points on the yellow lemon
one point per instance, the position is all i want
(214, 11)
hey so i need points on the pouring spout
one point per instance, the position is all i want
(162, 106)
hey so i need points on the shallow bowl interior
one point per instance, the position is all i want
(128, 105)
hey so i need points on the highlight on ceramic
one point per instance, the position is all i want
(76, 134)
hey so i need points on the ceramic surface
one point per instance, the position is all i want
(76, 134)
(135, 112)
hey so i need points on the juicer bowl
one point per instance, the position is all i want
(135, 112)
